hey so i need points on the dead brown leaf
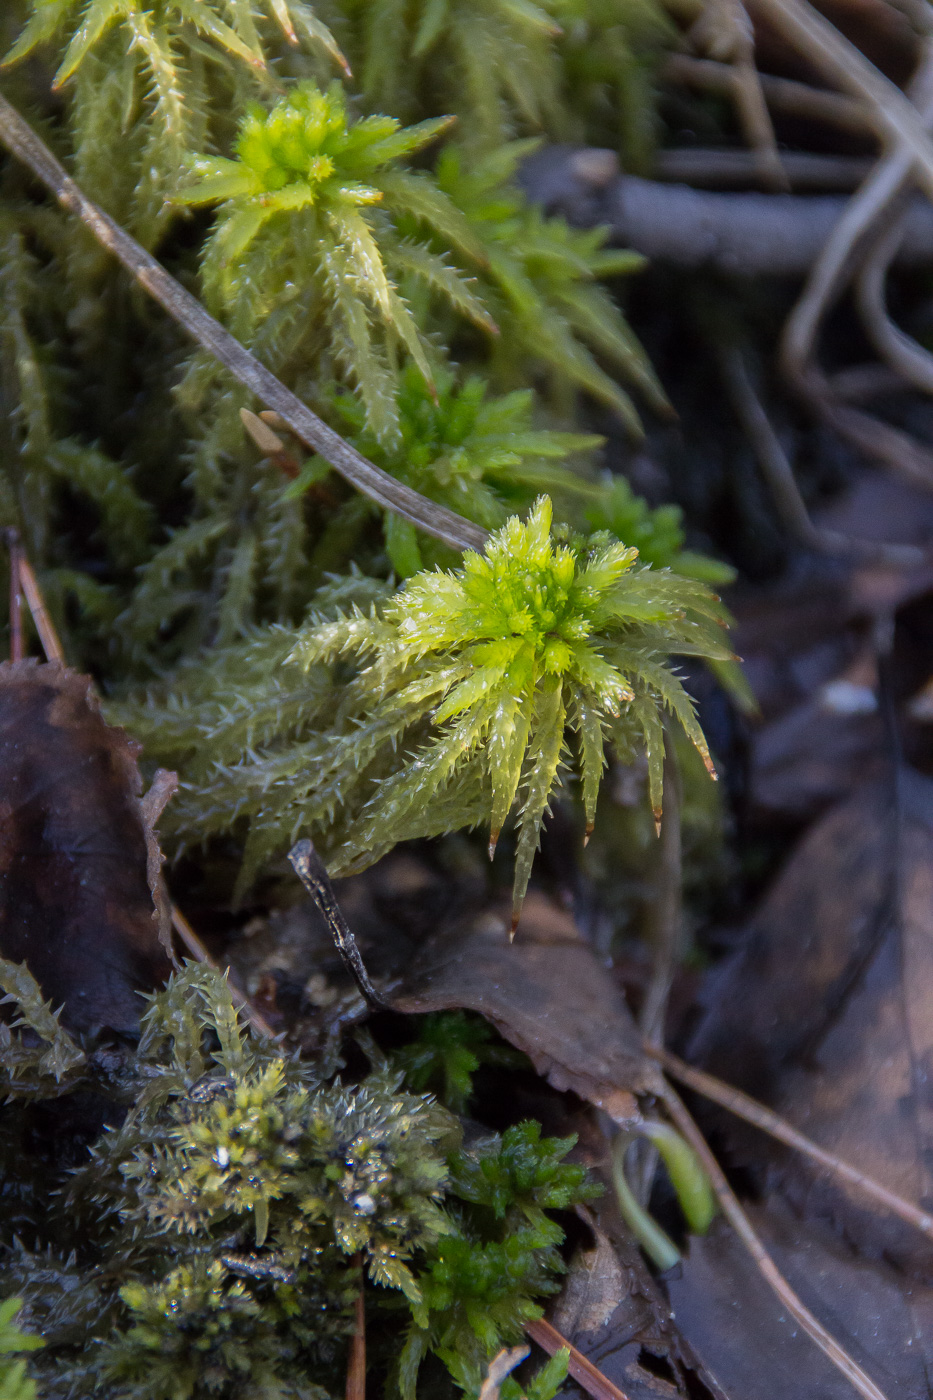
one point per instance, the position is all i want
(727, 1313)
(617, 1316)
(828, 1014)
(77, 851)
(546, 993)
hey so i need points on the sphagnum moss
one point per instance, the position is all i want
(447, 704)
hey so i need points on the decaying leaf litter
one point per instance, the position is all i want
(797, 968)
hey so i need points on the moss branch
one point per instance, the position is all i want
(445, 525)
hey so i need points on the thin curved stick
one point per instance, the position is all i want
(829, 273)
(743, 1227)
(894, 116)
(445, 525)
(898, 349)
(779, 474)
(717, 1091)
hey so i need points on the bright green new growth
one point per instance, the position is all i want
(145, 74)
(657, 533)
(506, 654)
(540, 280)
(445, 705)
(459, 446)
(14, 1383)
(305, 250)
(575, 69)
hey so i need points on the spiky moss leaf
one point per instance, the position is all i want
(298, 211)
(540, 280)
(222, 1223)
(14, 1381)
(148, 68)
(579, 70)
(29, 1069)
(472, 452)
(429, 710)
(560, 635)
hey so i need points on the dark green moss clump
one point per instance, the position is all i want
(215, 1241)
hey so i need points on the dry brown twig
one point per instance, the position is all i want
(743, 1227)
(587, 1375)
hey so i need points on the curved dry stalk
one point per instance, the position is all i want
(898, 349)
(743, 1106)
(743, 1227)
(893, 115)
(782, 94)
(196, 948)
(725, 24)
(829, 273)
(445, 525)
(779, 475)
(884, 190)
(667, 911)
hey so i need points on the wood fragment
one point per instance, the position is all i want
(744, 233)
(717, 1091)
(501, 1365)
(313, 875)
(732, 1210)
